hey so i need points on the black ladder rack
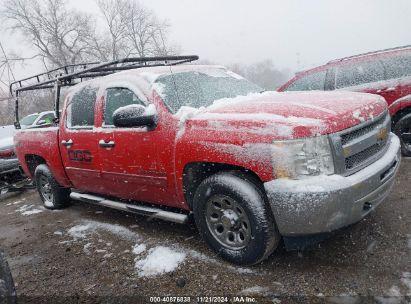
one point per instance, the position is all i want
(65, 76)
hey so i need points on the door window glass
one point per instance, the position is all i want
(398, 67)
(359, 73)
(117, 98)
(309, 82)
(47, 118)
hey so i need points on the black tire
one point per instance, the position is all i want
(260, 236)
(51, 193)
(403, 125)
(7, 290)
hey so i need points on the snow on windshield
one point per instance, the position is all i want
(201, 88)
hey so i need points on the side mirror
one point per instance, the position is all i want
(41, 122)
(135, 116)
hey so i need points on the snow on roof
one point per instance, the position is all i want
(149, 74)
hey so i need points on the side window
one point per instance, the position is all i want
(359, 73)
(80, 111)
(398, 67)
(47, 118)
(117, 98)
(310, 82)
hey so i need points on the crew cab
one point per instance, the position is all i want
(386, 73)
(250, 166)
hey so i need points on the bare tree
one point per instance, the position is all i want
(115, 16)
(59, 34)
(134, 30)
(263, 73)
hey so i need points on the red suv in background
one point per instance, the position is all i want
(386, 73)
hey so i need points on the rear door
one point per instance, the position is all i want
(78, 142)
(366, 77)
(398, 69)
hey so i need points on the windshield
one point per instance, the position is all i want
(201, 88)
(28, 120)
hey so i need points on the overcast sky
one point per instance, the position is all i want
(294, 34)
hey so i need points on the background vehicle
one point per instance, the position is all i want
(7, 289)
(9, 164)
(250, 166)
(37, 119)
(386, 73)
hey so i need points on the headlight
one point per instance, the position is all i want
(302, 157)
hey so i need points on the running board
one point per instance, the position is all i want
(143, 210)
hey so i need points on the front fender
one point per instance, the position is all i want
(400, 104)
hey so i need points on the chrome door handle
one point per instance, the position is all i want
(67, 143)
(105, 144)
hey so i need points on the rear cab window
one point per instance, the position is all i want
(81, 107)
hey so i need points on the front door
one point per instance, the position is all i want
(78, 143)
(134, 160)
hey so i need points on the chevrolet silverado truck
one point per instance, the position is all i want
(251, 167)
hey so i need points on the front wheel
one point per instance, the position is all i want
(51, 193)
(234, 218)
(403, 130)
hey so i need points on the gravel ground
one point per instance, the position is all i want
(85, 254)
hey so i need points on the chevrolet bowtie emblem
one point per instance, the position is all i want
(382, 134)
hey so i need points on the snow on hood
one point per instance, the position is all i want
(7, 137)
(287, 115)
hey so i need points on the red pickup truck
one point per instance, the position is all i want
(386, 73)
(250, 166)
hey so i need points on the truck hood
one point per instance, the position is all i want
(287, 115)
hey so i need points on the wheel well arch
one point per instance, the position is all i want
(194, 173)
(32, 161)
(400, 114)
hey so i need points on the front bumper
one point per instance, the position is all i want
(327, 203)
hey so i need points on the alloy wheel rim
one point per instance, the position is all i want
(45, 189)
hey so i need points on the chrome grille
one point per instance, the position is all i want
(357, 159)
(358, 147)
(346, 138)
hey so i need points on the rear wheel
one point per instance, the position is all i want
(51, 193)
(403, 130)
(234, 218)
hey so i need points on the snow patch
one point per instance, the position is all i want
(139, 248)
(87, 228)
(159, 260)
(136, 109)
(406, 280)
(357, 114)
(255, 290)
(28, 210)
(393, 296)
